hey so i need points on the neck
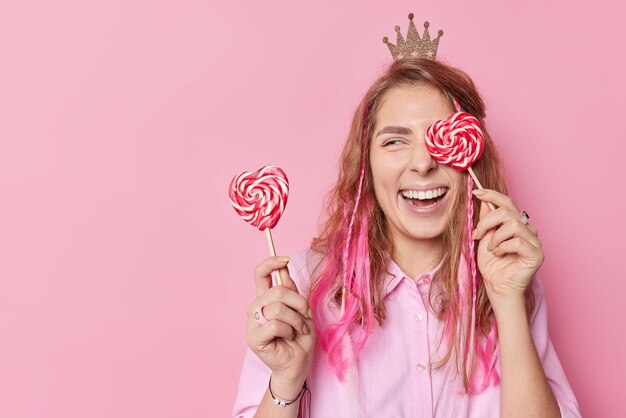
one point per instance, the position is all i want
(417, 256)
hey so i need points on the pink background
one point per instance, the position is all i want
(125, 273)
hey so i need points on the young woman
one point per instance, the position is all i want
(421, 305)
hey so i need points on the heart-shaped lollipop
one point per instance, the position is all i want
(260, 197)
(456, 141)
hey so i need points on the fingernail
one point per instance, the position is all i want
(283, 259)
(310, 313)
(305, 329)
(478, 192)
(474, 235)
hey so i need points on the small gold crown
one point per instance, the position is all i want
(414, 45)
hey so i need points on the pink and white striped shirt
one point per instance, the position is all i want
(393, 373)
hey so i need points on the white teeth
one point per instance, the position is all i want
(421, 195)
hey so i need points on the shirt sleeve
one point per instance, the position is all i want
(253, 383)
(255, 374)
(549, 359)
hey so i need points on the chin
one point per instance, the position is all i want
(425, 235)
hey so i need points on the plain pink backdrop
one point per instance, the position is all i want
(125, 273)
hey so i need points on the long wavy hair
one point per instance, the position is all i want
(356, 247)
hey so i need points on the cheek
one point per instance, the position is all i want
(459, 183)
(456, 177)
(385, 182)
(456, 197)
(380, 188)
(385, 168)
(378, 173)
(382, 185)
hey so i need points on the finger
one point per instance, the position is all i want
(532, 228)
(287, 280)
(492, 220)
(513, 229)
(285, 314)
(497, 198)
(484, 210)
(263, 272)
(284, 295)
(522, 248)
(266, 333)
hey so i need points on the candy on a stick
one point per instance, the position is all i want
(260, 198)
(457, 141)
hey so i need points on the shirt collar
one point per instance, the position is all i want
(395, 276)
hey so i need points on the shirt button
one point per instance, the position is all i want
(421, 367)
(426, 279)
(419, 317)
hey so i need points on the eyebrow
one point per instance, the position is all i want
(400, 130)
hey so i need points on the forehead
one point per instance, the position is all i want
(412, 104)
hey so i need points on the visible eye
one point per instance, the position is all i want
(392, 141)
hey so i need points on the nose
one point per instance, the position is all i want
(421, 161)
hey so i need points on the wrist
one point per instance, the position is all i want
(286, 388)
(509, 308)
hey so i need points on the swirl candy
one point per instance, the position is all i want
(456, 141)
(260, 197)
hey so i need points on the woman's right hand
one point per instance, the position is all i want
(285, 343)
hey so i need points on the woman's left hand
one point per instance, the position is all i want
(509, 252)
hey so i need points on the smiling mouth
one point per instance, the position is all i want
(424, 199)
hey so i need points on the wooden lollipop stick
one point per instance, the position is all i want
(282, 272)
(480, 186)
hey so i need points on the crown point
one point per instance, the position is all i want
(385, 39)
(410, 16)
(397, 28)
(426, 24)
(440, 33)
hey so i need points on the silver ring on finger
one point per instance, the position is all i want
(525, 217)
(258, 316)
